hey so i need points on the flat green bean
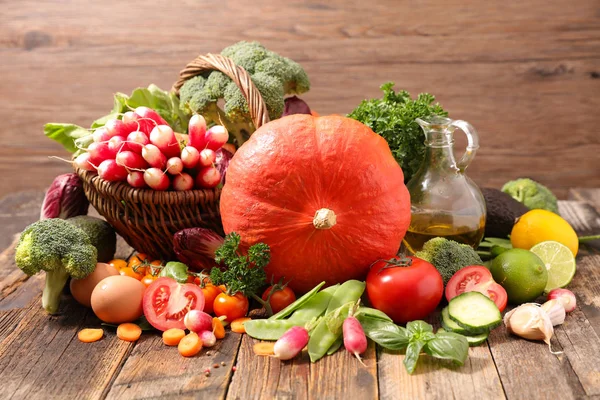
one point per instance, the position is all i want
(298, 303)
(267, 329)
(372, 313)
(316, 306)
(336, 345)
(348, 291)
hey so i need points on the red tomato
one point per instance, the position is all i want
(166, 302)
(280, 299)
(406, 292)
(233, 307)
(210, 292)
(476, 278)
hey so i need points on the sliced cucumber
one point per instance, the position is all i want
(450, 325)
(476, 340)
(474, 312)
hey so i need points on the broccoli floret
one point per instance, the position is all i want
(532, 194)
(274, 76)
(448, 256)
(59, 248)
(102, 235)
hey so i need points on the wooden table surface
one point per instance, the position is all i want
(40, 356)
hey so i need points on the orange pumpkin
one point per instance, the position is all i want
(325, 193)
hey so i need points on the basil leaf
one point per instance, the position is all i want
(448, 346)
(372, 313)
(65, 134)
(419, 330)
(384, 333)
(412, 355)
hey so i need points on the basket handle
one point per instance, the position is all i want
(211, 62)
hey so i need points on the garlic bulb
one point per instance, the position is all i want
(555, 310)
(530, 321)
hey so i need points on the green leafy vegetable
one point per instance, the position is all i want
(393, 117)
(244, 273)
(418, 336)
(66, 134)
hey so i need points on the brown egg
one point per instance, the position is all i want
(82, 289)
(118, 299)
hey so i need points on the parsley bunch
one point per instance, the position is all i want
(244, 273)
(393, 118)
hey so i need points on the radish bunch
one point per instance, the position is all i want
(142, 150)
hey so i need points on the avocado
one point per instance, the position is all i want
(502, 211)
(101, 234)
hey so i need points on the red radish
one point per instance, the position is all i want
(99, 151)
(136, 179)
(207, 158)
(131, 160)
(100, 135)
(208, 339)
(141, 124)
(156, 179)
(174, 165)
(291, 343)
(565, 297)
(163, 137)
(116, 127)
(136, 140)
(153, 156)
(83, 161)
(183, 181)
(216, 137)
(197, 131)
(355, 340)
(146, 112)
(117, 144)
(111, 171)
(197, 321)
(208, 177)
(190, 156)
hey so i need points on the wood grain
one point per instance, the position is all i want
(525, 74)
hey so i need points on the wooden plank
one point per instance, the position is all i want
(154, 370)
(63, 63)
(336, 376)
(42, 357)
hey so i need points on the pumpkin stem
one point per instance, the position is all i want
(324, 219)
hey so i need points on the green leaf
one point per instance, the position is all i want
(412, 355)
(448, 346)
(384, 333)
(419, 330)
(65, 134)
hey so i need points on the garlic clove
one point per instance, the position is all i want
(529, 321)
(555, 310)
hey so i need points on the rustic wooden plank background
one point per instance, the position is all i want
(525, 74)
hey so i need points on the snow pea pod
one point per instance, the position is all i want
(349, 291)
(336, 345)
(372, 313)
(298, 303)
(273, 329)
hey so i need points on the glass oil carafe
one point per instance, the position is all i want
(444, 201)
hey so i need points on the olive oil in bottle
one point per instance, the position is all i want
(461, 229)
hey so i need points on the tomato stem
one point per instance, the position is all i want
(264, 303)
(394, 263)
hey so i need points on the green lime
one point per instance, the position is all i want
(559, 261)
(522, 273)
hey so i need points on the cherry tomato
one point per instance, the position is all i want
(166, 303)
(148, 279)
(128, 271)
(406, 289)
(210, 292)
(137, 262)
(280, 299)
(154, 267)
(223, 288)
(476, 278)
(118, 263)
(233, 307)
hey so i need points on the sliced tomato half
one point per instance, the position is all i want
(166, 302)
(476, 278)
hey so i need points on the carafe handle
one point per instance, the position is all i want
(472, 144)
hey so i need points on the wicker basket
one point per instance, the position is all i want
(148, 219)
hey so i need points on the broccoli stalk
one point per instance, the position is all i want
(448, 256)
(274, 76)
(59, 248)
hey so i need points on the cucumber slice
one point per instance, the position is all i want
(449, 325)
(474, 312)
(476, 340)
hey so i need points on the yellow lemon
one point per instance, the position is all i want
(538, 226)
